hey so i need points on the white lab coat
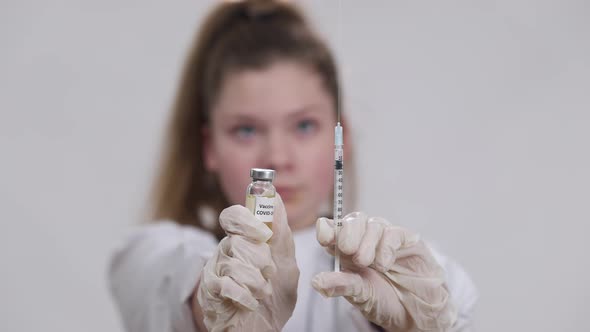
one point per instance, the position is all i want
(154, 272)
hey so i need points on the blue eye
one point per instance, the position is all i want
(244, 131)
(306, 126)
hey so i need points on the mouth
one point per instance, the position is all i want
(287, 193)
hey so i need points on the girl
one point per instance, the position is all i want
(260, 89)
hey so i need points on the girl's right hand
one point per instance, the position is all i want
(249, 284)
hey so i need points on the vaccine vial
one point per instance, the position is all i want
(260, 195)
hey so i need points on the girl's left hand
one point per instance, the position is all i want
(388, 274)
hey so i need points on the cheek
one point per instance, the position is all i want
(321, 171)
(233, 182)
(234, 172)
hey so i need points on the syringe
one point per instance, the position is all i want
(338, 191)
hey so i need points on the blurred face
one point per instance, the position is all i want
(281, 118)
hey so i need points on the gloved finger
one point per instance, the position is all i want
(256, 254)
(393, 239)
(351, 234)
(325, 232)
(227, 288)
(330, 250)
(238, 220)
(417, 260)
(246, 276)
(373, 233)
(282, 245)
(332, 284)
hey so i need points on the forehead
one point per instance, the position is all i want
(278, 89)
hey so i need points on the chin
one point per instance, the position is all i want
(298, 216)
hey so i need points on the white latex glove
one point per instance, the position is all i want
(249, 285)
(389, 275)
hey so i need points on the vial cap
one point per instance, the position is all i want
(262, 174)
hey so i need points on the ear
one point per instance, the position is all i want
(210, 158)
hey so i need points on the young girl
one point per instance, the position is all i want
(260, 89)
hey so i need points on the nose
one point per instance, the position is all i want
(279, 151)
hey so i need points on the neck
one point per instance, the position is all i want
(303, 223)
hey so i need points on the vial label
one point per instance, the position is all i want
(264, 208)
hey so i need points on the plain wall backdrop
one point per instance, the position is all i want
(470, 119)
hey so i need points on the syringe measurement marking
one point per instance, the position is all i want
(338, 200)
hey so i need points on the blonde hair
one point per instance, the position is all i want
(250, 34)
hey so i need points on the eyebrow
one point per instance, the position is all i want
(253, 115)
(311, 108)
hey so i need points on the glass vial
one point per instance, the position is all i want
(260, 195)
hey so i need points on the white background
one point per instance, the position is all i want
(470, 118)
